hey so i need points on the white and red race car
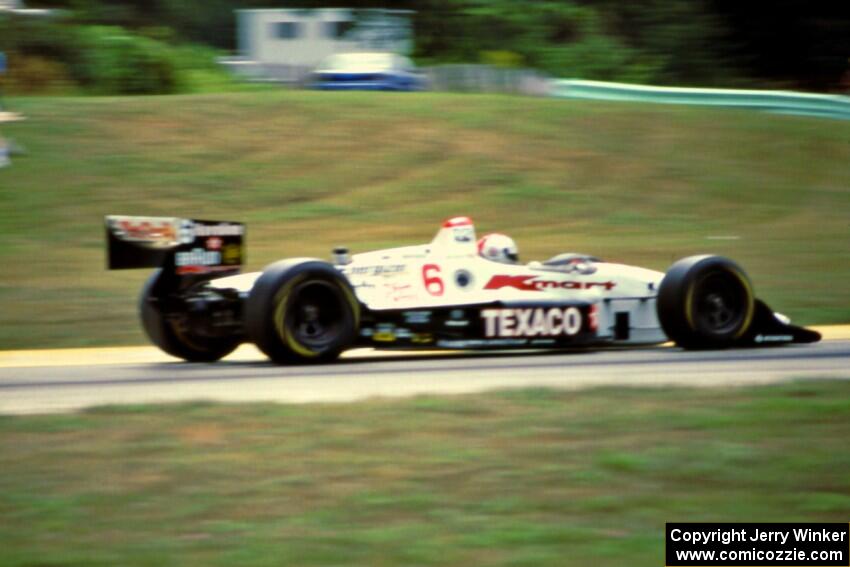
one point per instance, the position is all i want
(440, 295)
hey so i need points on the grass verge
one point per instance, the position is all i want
(533, 477)
(643, 184)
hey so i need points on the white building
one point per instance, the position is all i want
(285, 44)
(17, 7)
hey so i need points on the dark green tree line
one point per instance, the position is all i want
(788, 43)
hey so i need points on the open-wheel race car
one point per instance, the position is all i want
(455, 292)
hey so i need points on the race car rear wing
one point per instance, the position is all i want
(183, 247)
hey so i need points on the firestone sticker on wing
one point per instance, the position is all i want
(155, 232)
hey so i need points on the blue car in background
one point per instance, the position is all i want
(372, 71)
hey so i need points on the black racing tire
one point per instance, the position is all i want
(302, 311)
(705, 302)
(171, 338)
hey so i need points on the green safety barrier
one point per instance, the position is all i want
(786, 102)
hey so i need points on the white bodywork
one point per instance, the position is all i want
(450, 272)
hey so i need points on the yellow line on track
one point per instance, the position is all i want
(101, 356)
(833, 332)
(150, 355)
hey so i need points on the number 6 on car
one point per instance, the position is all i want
(433, 283)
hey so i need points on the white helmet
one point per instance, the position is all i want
(499, 248)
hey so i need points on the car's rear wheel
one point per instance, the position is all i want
(172, 334)
(705, 302)
(302, 311)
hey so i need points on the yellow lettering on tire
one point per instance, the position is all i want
(279, 318)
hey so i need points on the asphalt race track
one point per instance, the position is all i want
(83, 378)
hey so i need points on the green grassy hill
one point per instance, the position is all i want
(306, 171)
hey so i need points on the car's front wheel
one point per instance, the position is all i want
(705, 302)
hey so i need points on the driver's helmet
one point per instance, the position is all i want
(499, 248)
